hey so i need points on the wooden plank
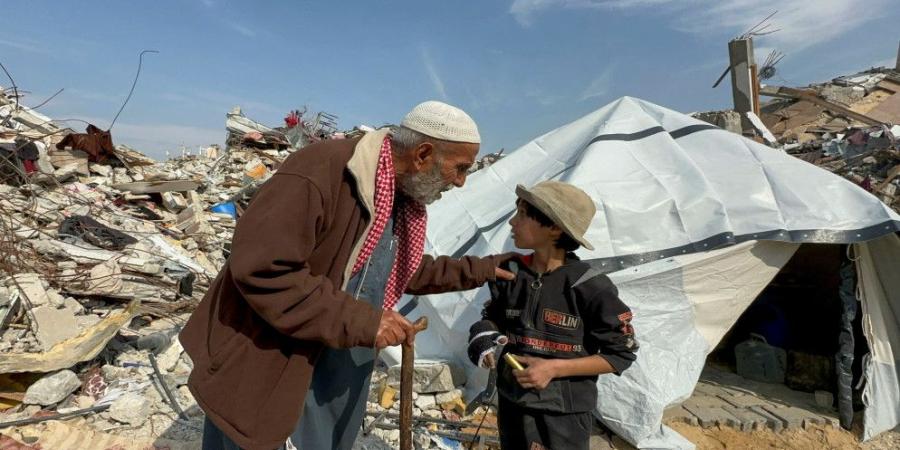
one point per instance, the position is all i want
(809, 96)
(150, 187)
(890, 86)
(888, 110)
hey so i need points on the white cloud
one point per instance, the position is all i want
(599, 86)
(433, 74)
(93, 96)
(241, 29)
(802, 23)
(525, 11)
(27, 46)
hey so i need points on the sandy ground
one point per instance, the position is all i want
(819, 438)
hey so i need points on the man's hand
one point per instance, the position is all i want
(537, 374)
(502, 274)
(394, 329)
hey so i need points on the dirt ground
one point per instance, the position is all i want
(819, 438)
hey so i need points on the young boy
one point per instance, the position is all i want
(564, 323)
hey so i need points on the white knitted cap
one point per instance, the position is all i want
(442, 121)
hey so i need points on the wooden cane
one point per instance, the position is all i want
(407, 366)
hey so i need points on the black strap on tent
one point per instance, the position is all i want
(844, 356)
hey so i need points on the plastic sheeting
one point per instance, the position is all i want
(682, 308)
(879, 289)
(665, 184)
(669, 190)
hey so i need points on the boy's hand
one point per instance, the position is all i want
(489, 362)
(537, 374)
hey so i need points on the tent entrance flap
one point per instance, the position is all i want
(879, 292)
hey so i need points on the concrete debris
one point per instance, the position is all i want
(53, 325)
(131, 408)
(52, 389)
(103, 247)
(431, 377)
(846, 126)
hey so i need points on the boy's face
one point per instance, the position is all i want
(528, 233)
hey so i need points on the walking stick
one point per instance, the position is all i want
(407, 367)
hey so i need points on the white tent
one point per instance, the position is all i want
(693, 222)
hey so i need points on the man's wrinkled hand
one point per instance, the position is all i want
(394, 329)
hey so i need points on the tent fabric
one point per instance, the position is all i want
(670, 190)
(879, 291)
(683, 306)
(665, 184)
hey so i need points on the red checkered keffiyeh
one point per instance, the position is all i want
(409, 227)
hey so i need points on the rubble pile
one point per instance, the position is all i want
(440, 416)
(103, 255)
(848, 126)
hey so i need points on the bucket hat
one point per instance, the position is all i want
(570, 208)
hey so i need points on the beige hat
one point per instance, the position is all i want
(442, 121)
(567, 206)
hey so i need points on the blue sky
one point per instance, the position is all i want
(519, 67)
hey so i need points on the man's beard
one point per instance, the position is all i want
(424, 188)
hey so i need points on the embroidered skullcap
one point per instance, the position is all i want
(442, 121)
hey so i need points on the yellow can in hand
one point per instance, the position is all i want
(512, 361)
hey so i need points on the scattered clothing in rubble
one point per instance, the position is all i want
(95, 233)
(96, 143)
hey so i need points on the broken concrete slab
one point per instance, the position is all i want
(31, 286)
(169, 358)
(70, 158)
(52, 388)
(53, 325)
(83, 347)
(131, 408)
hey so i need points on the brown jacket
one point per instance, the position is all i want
(255, 337)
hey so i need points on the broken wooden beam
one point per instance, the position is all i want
(811, 97)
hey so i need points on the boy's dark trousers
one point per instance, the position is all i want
(530, 429)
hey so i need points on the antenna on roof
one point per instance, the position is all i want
(768, 68)
(760, 29)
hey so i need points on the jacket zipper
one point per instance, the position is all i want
(531, 305)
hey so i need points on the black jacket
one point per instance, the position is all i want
(566, 313)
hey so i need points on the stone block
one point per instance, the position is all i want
(131, 408)
(52, 389)
(54, 325)
(792, 417)
(712, 416)
(748, 420)
(743, 400)
(426, 402)
(386, 396)
(449, 396)
(32, 287)
(772, 421)
(679, 414)
(431, 377)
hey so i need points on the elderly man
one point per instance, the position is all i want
(285, 340)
